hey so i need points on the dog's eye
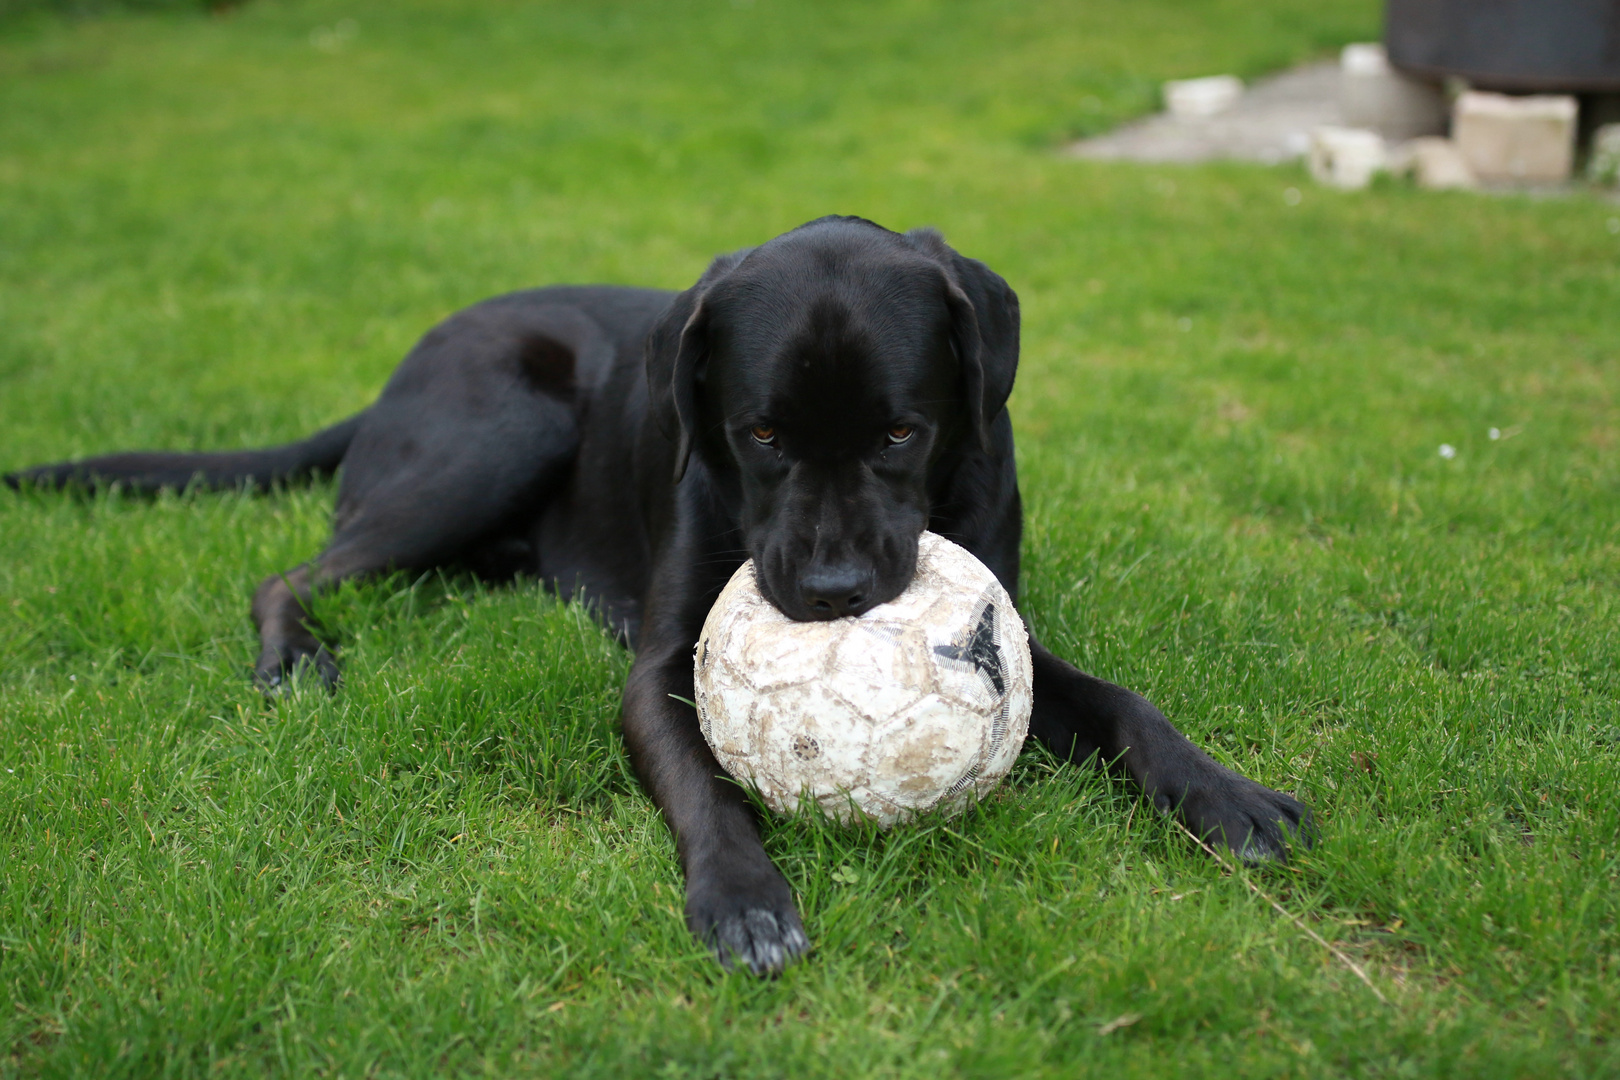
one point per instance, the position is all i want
(900, 433)
(763, 434)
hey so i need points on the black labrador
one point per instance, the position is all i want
(814, 404)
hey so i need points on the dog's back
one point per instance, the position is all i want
(621, 315)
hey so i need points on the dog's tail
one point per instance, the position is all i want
(149, 473)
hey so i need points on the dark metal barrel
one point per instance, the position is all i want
(1563, 46)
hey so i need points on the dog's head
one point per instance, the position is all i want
(825, 379)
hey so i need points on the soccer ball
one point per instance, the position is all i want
(919, 704)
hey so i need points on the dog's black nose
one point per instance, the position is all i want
(832, 592)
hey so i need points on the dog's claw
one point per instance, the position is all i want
(277, 674)
(747, 919)
(763, 940)
(1253, 822)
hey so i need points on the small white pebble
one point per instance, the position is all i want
(1291, 196)
(1447, 451)
(1494, 433)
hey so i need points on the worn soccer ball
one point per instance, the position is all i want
(919, 704)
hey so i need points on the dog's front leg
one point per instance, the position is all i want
(1082, 718)
(737, 902)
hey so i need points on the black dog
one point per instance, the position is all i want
(814, 403)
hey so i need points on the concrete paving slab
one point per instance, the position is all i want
(1270, 123)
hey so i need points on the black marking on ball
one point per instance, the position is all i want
(980, 649)
(805, 748)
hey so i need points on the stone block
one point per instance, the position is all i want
(1373, 95)
(1194, 98)
(1527, 140)
(1435, 163)
(1346, 157)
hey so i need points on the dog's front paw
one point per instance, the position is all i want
(1224, 808)
(746, 919)
(279, 666)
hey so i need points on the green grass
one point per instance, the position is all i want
(219, 231)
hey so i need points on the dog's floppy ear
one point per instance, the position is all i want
(984, 318)
(676, 350)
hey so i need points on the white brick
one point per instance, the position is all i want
(1191, 98)
(1346, 157)
(1434, 162)
(1523, 139)
(1373, 95)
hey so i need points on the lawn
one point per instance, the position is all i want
(217, 231)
